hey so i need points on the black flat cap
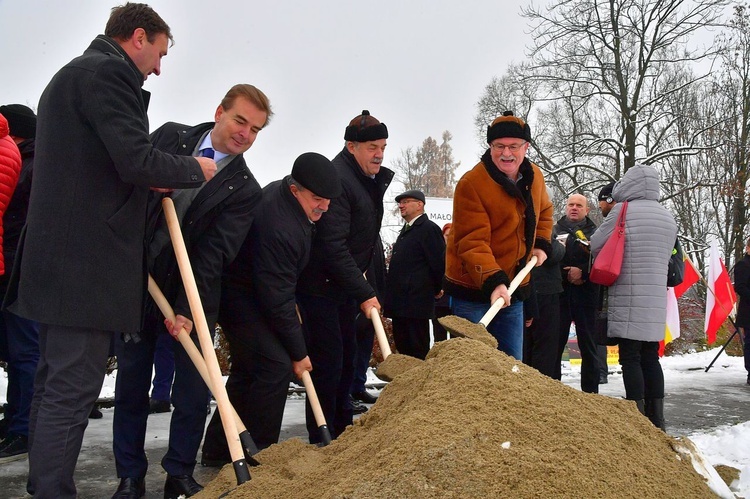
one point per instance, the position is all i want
(414, 194)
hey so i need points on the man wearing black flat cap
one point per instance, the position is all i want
(333, 288)
(415, 276)
(258, 313)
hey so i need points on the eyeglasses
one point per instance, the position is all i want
(405, 201)
(511, 148)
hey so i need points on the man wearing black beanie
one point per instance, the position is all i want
(333, 289)
(502, 216)
(258, 313)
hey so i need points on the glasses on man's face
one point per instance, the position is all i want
(511, 147)
(406, 201)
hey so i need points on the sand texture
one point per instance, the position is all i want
(471, 422)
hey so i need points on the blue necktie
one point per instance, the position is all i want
(207, 153)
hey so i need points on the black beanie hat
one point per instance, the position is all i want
(21, 119)
(359, 130)
(316, 173)
(606, 193)
(508, 125)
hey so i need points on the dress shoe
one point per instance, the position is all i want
(130, 488)
(365, 397)
(95, 413)
(181, 485)
(603, 379)
(158, 406)
(14, 448)
(357, 406)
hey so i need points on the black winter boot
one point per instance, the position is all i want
(655, 412)
(641, 407)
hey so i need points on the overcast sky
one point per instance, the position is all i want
(419, 66)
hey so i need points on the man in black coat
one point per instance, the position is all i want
(214, 220)
(742, 288)
(258, 308)
(580, 296)
(333, 285)
(415, 276)
(542, 314)
(81, 270)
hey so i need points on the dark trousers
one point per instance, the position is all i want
(163, 367)
(412, 336)
(330, 335)
(641, 370)
(69, 376)
(189, 397)
(23, 355)
(365, 341)
(257, 386)
(584, 316)
(540, 342)
(746, 349)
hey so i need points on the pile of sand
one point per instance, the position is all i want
(473, 422)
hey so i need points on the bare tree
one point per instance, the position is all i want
(617, 57)
(430, 168)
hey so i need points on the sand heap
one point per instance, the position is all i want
(473, 422)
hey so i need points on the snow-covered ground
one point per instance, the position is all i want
(727, 444)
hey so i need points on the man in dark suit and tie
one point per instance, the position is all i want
(415, 276)
(215, 220)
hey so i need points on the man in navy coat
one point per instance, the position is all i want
(415, 276)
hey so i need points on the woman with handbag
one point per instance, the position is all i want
(638, 298)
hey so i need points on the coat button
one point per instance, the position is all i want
(184, 146)
(231, 187)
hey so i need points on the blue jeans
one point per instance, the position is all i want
(506, 327)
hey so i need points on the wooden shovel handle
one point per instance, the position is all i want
(320, 419)
(184, 338)
(385, 348)
(495, 308)
(204, 336)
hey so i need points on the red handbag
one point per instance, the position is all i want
(608, 262)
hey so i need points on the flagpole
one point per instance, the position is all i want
(736, 330)
(729, 316)
(717, 302)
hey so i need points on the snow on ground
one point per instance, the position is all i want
(728, 445)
